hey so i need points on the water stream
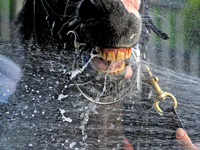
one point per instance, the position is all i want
(40, 115)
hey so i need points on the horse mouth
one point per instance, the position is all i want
(111, 60)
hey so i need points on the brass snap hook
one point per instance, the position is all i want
(163, 96)
(160, 94)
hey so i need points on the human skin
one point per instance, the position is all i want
(184, 140)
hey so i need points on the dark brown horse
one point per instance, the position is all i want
(56, 37)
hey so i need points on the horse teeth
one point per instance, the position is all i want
(118, 69)
(120, 55)
(111, 55)
(128, 53)
(104, 55)
(114, 54)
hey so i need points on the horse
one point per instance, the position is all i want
(79, 60)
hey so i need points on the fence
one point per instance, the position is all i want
(173, 53)
(8, 11)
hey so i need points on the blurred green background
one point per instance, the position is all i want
(8, 11)
(179, 18)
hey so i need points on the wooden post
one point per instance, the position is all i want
(5, 19)
(17, 5)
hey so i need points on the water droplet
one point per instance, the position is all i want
(72, 144)
(61, 96)
(66, 141)
(85, 137)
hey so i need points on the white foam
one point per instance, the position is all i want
(67, 119)
(61, 96)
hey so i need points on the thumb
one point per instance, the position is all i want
(184, 140)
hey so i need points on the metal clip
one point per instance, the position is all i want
(160, 94)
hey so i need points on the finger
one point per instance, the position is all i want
(127, 145)
(184, 140)
(198, 146)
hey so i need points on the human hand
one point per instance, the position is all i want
(185, 141)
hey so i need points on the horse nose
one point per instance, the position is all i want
(89, 11)
(108, 23)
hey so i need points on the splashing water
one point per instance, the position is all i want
(186, 90)
(76, 72)
(80, 70)
(58, 118)
(104, 87)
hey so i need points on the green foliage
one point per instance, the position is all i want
(192, 22)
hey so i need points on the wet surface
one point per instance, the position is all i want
(40, 116)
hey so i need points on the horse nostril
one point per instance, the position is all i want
(89, 11)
